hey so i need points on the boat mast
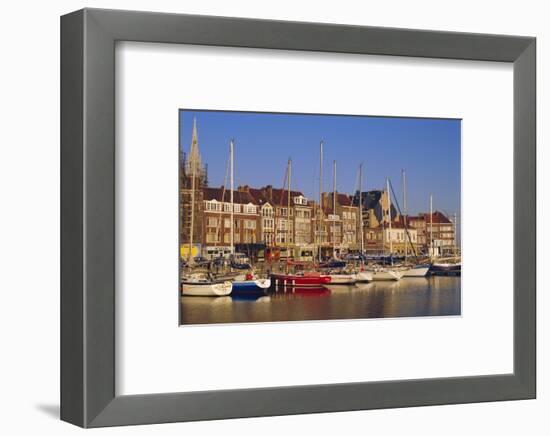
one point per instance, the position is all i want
(231, 151)
(361, 204)
(405, 211)
(288, 206)
(431, 226)
(455, 237)
(334, 208)
(320, 196)
(190, 257)
(389, 214)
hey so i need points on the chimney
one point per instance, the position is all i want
(269, 190)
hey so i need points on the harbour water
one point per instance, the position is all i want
(409, 297)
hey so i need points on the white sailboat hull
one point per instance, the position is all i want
(206, 289)
(364, 276)
(417, 272)
(342, 279)
(385, 275)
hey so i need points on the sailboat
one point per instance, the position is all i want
(250, 284)
(449, 265)
(416, 270)
(362, 275)
(200, 284)
(204, 286)
(382, 272)
(306, 279)
(340, 277)
(311, 279)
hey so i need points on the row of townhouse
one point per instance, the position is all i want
(436, 233)
(421, 234)
(274, 217)
(271, 217)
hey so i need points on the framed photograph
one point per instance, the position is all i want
(264, 218)
(263, 249)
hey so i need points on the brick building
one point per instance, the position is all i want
(216, 235)
(437, 231)
(342, 222)
(281, 225)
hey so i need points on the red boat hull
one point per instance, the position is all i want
(301, 281)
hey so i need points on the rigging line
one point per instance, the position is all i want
(280, 207)
(223, 199)
(399, 210)
(283, 187)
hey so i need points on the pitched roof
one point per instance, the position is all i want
(343, 199)
(274, 196)
(370, 199)
(239, 197)
(437, 218)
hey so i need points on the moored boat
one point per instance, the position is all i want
(250, 286)
(446, 268)
(363, 276)
(342, 279)
(205, 287)
(417, 271)
(332, 264)
(379, 274)
(300, 280)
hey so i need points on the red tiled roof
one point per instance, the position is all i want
(437, 218)
(273, 196)
(239, 197)
(343, 199)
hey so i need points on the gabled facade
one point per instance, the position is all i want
(436, 233)
(217, 220)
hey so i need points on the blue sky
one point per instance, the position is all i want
(428, 150)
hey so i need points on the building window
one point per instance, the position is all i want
(249, 224)
(249, 208)
(212, 237)
(212, 206)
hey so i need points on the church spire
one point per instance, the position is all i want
(194, 158)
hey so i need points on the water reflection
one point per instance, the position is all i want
(409, 297)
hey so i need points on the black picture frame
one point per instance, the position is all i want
(88, 39)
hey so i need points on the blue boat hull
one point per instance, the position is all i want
(247, 287)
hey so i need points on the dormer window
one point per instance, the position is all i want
(300, 200)
(249, 208)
